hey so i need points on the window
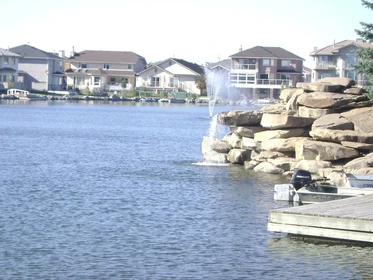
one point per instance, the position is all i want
(350, 74)
(266, 62)
(155, 82)
(129, 66)
(83, 65)
(285, 77)
(112, 80)
(285, 63)
(6, 60)
(263, 76)
(106, 66)
(96, 81)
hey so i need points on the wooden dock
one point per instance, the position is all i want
(349, 219)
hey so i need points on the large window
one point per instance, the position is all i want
(285, 63)
(266, 62)
(154, 82)
(106, 66)
(96, 81)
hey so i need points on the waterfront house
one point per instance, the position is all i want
(102, 71)
(217, 77)
(39, 70)
(171, 75)
(337, 60)
(261, 72)
(8, 68)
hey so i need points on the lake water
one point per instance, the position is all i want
(113, 191)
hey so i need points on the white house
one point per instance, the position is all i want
(171, 75)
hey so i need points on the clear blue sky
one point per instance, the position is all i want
(195, 30)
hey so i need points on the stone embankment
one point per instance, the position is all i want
(324, 127)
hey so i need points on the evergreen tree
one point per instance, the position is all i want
(364, 64)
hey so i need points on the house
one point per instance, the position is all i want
(261, 72)
(307, 72)
(101, 71)
(217, 78)
(8, 68)
(337, 60)
(171, 75)
(39, 70)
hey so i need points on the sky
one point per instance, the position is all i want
(197, 31)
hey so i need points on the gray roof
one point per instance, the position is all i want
(226, 63)
(4, 52)
(335, 47)
(106, 56)
(27, 51)
(266, 52)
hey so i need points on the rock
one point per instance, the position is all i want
(284, 163)
(357, 145)
(239, 118)
(275, 109)
(328, 99)
(318, 150)
(214, 145)
(359, 117)
(313, 165)
(314, 113)
(215, 157)
(246, 131)
(274, 121)
(250, 165)
(283, 133)
(359, 163)
(338, 136)
(249, 144)
(233, 139)
(265, 155)
(355, 91)
(287, 93)
(281, 145)
(268, 168)
(344, 82)
(320, 87)
(238, 156)
(333, 121)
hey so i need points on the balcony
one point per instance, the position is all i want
(261, 83)
(244, 67)
(325, 65)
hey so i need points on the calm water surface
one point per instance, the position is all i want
(113, 191)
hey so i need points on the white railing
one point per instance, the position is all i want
(325, 65)
(244, 66)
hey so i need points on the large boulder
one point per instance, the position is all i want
(217, 145)
(280, 133)
(238, 156)
(249, 144)
(239, 118)
(314, 113)
(359, 163)
(276, 121)
(313, 166)
(285, 163)
(287, 93)
(328, 99)
(361, 118)
(320, 87)
(344, 82)
(333, 121)
(268, 168)
(338, 136)
(318, 150)
(281, 145)
(246, 131)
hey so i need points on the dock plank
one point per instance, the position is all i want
(346, 219)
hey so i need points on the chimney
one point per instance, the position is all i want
(240, 49)
(72, 53)
(314, 49)
(61, 54)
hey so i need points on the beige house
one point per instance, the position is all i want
(261, 72)
(8, 68)
(102, 71)
(171, 75)
(337, 60)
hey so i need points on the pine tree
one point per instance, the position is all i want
(364, 64)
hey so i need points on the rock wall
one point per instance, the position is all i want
(325, 127)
